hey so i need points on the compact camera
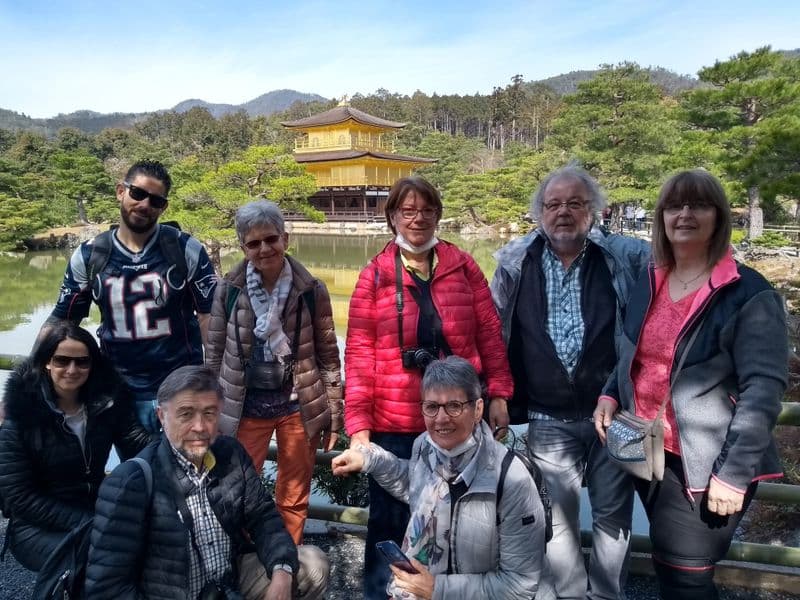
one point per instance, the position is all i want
(419, 358)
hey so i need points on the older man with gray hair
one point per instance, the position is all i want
(191, 518)
(560, 291)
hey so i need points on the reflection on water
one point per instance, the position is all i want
(30, 282)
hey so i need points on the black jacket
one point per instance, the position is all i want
(139, 546)
(46, 479)
(539, 375)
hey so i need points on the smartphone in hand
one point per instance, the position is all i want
(395, 556)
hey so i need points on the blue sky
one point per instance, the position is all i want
(58, 56)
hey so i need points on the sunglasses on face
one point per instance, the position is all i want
(62, 362)
(270, 240)
(140, 195)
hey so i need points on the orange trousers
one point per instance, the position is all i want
(295, 464)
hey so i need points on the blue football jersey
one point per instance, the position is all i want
(148, 323)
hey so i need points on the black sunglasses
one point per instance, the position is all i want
(269, 241)
(140, 194)
(62, 362)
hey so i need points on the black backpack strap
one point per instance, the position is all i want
(169, 240)
(98, 258)
(147, 470)
(501, 481)
(230, 300)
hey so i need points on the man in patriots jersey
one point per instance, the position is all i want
(154, 286)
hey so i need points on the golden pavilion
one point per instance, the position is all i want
(351, 155)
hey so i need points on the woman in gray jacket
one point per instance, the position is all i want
(704, 349)
(460, 540)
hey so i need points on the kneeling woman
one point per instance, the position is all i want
(64, 407)
(462, 543)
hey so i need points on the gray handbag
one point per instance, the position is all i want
(636, 445)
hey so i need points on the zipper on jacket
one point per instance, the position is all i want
(83, 446)
(681, 335)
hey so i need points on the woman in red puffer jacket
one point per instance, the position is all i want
(445, 307)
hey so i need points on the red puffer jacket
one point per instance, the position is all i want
(380, 394)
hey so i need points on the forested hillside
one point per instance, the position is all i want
(740, 120)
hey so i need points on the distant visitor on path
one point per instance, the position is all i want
(704, 351)
(202, 525)
(561, 291)
(273, 344)
(418, 300)
(153, 284)
(65, 408)
(461, 540)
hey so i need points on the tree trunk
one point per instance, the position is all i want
(756, 214)
(81, 210)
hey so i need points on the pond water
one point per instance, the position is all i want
(29, 285)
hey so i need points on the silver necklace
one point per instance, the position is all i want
(687, 282)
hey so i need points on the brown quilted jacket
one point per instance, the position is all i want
(317, 374)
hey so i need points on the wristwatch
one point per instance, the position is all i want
(283, 567)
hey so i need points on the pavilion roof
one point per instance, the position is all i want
(307, 157)
(340, 114)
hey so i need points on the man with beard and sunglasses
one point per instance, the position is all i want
(560, 292)
(154, 286)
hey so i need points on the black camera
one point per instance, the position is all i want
(419, 358)
(212, 591)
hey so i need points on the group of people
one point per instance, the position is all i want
(194, 375)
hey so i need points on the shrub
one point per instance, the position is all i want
(346, 491)
(771, 239)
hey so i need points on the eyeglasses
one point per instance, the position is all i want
(62, 362)
(140, 195)
(694, 206)
(453, 408)
(427, 213)
(570, 204)
(270, 240)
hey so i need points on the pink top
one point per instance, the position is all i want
(652, 364)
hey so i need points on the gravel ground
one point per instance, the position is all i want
(346, 551)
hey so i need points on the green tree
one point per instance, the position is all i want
(20, 218)
(207, 206)
(81, 180)
(620, 127)
(750, 113)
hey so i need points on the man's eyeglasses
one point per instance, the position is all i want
(427, 213)
(694, 206)
(270, 240)
(140, 194)
(453, 408)
(570, 204)
(62, 362)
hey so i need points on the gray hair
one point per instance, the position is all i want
(597, 199)
(258, 214)
(452, 372)
(194, 378)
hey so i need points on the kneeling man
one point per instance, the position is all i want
(207, 525)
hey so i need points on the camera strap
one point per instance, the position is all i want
(426, 308)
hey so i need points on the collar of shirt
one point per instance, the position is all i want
(417, 272)
(551, 257)
(196, 475)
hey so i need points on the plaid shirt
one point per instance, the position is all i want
(212, 541)
(565, 324)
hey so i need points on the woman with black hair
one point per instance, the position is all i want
(64, 408)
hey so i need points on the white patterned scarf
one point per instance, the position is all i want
(268, 309)
(427, 537)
